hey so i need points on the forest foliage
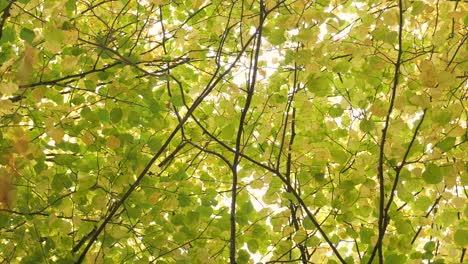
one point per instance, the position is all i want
(272, 131)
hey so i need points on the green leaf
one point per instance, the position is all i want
(423, 203)
(184, 200)
(461, 237)
(352, 233)
(252, 245)
(395, 258)
(339, 155)
(243, 256)
(27, 35)
(3, 5)
(391, 37)
(228, 131)
(61, 181)
(446, 144)
(70, 6)
(180, 175)
(89, 92)
(366, 125)
(116, 115)
(442, 116)
(417, 7)
(103, 115)
(308, 224)
(154, 144)
(366, 235)
(430, 246)
(277, 37)
(52, 34)
(320, 86)
(427, 255)
(8, 35)
(432, 174)
(404, 227)
(177, 100)
(335, 110)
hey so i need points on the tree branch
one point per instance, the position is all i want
(396, 76)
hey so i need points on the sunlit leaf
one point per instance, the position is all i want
(129, 129)
(461, 237)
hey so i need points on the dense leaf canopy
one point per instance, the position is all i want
(193, 131)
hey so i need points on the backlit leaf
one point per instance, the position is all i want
(432, 174)
(461, 237)
(121, 124)
(57, 134)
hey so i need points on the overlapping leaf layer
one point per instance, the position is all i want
(215, 131)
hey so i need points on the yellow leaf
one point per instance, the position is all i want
(400, 102)
(436, 93)
(420, 100)
(457, 131)
(26, 69)
(56, 134)
(118, 232)
(49, 124)
(428, 74)
(6, 188)
(458, 202)
(457, 14)
(30, 55)
(38, 93)
(21, 145)
(391, 17)
(113, 142)
(7, 65)
(8, 88)
(170, 203)
(52, 46)
(5, 106)
(378, 110)
(154, 198)
(446, 79)
(69, 63)
(197, 3)
(70, 37)
(87, 138)
(270, 4)
(321, 154)
(156, 2)
(257, 184)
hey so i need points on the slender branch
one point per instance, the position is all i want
(69, 77)
(400, 167)
(240, 130)
(292, 207)
(212, 83)
(382, 216)
(288, 185)
(436, 202)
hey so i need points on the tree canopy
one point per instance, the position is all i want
(243, 131)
